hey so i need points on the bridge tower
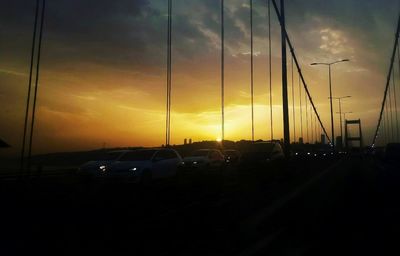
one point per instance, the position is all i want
(359, 138)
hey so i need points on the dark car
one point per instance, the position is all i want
(262, 153)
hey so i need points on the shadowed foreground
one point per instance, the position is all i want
(347, 206)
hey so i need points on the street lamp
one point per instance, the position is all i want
(340, 112)
(330, 93)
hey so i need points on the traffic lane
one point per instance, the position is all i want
(95, 216)
(347, 211)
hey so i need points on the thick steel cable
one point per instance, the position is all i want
(387, 80)
(299, 69)
(29, 87)
(36, 83)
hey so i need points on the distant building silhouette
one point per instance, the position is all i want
(301, 140)
(190, 141)
(185, 141)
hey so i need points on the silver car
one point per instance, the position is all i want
(143, 165)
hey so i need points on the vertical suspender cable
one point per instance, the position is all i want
(170, 72)
(391, 113)
(168, 57)
(395, 105)
(36, 84)
(270, 69)
(306, 117)
(315, 128)
(311, 126)
(29, 88)
(251, 70)
(387, 122)
(222, 72)
(293, 109)
(301, 111)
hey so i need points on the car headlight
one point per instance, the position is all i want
(102, 168)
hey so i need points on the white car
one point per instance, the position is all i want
(204, 158)
(96, 167)
(143, 165)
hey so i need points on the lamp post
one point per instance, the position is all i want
(340, 113)
(330, 94)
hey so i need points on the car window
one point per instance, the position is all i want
(138, 155)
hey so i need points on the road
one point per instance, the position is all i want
(307, 208)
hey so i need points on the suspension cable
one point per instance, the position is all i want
(311, 125)
(308, 139)
(222, 73)
(169, 73)
(395, 105)
(29, 88)
(293, 108)
(387, 122)
(252, 70)
(36, 83)
(299, 69)
(391, 113)
(270, 69)
(387, 80)
(301, 111)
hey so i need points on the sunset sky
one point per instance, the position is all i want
(103, 73)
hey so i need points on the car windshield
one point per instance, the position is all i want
(138, 155)
(200, 153)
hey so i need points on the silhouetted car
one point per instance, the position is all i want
(204, 158)
(231, 156)
(261, 153)
(392, 152)
(97, 167)
(143, 165)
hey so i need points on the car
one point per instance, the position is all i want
(261, 153)
(204, 158)
(144, 165)
(97, 167)
(231, 156)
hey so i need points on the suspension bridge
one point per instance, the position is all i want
(301, 121)
(330, 205)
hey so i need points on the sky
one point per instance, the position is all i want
(103, 68)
